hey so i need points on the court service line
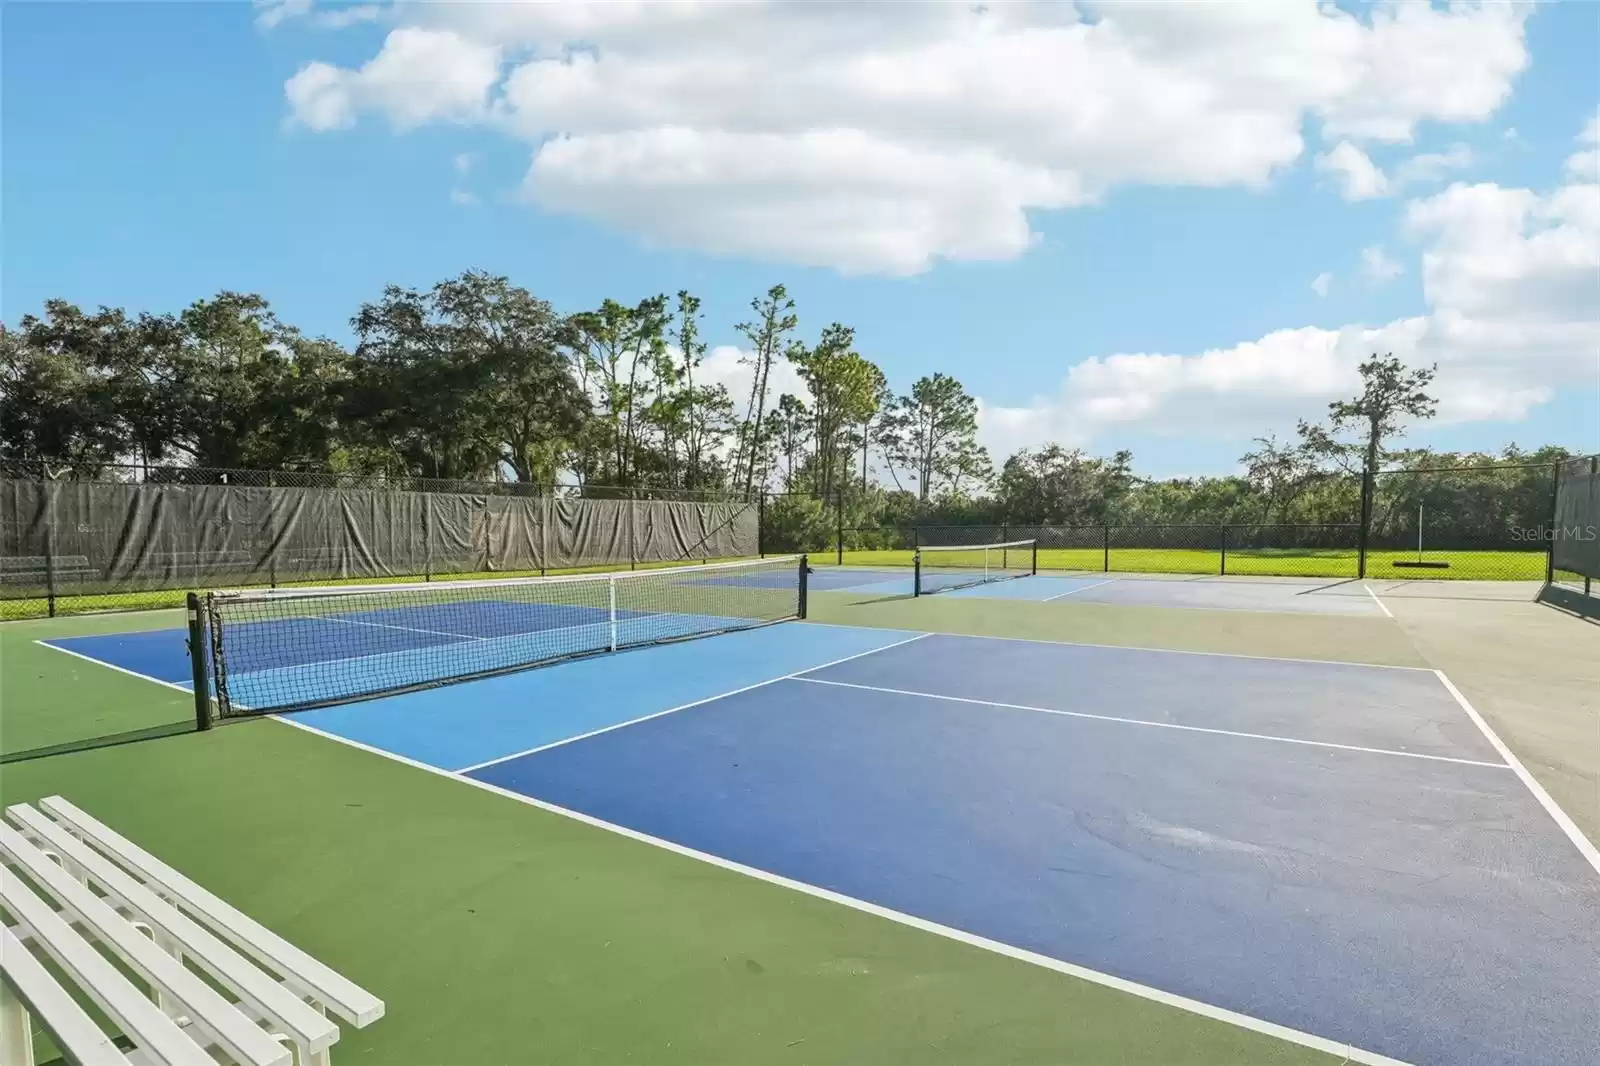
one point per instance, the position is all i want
(681, 707)
(403, 629)
(1157, 725)
(1384, 607)
(1083, 588)
(1349, 1052)
(1186, 651)
(1584, 845)
(186, 690)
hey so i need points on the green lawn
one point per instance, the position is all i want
(1332, 563)
(500, 933)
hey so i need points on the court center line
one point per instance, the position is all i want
(1156, 725)
(1384, 607)
(1082, 588)
(681, 707)
(187, 691)
(1584, 845)
(1348, 1052)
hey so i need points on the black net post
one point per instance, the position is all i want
(1224, 570)
(1033, 566)
(805, 569)
(916, 574)
(1105, 536)
(197, 662)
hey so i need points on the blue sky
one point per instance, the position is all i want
(1105, 221)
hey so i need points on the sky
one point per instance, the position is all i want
(1160, 227)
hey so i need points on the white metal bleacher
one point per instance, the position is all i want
(152, 919)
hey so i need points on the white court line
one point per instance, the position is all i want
(1082, 973)
(403, 629)
(1384, 607)
(1083, 588)
(1183, 651)
(1585, 847)
(185, 689)
(682, 707)
(1155, 725)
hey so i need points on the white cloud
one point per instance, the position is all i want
(1584, 166)
(1512, 283)
(886, 137)
(463, 198)
(724, 365)
(1358, 176)
(421, 75)
(1432, 166)
(1378, 267)
(1320, 283)
(270, 13)
(340, 17)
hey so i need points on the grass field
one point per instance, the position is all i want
(1333, 563)
(499, 933)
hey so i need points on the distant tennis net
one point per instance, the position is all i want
(261, 651)
(940, 568)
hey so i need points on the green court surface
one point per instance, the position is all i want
(1285, 562)
(498, 932)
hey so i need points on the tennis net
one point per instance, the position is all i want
(943, 567)
(265, 651)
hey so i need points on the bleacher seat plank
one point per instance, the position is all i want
(238, 1035)
(126, 1005)
(302, 973)
(309, 1028)
(68, 1024)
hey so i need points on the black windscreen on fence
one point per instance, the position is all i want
(70, 539)
(1575, 543)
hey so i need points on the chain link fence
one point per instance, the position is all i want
(73, 546)
(1487, 523)
(159, 474)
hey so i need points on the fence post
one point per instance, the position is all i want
(50, 546)
(761, 524)
(633, 532)
(1105, 532)
(427, 536)
(1224, 570)
(1364, 533)
(197, 662)
(1555, 529)
(838, 500)
(1588, 579)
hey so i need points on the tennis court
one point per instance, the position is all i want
(1339, 850)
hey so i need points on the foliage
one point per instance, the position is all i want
(933, 434)
(476, 378)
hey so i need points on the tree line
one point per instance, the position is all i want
(478, 379)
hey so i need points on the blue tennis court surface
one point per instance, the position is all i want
(1337, 849)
